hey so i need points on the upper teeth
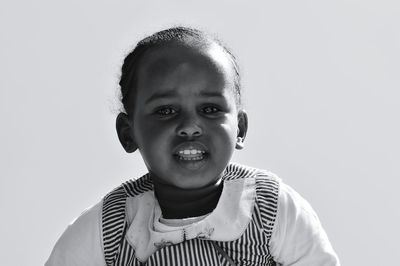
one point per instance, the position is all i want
(192, 151)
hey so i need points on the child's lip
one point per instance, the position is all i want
(190, 146)
(191, 161)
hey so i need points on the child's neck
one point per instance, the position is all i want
(178, 203)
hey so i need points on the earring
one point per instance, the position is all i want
(239, 143)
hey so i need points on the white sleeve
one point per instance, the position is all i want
(298, 238)
(81, 243)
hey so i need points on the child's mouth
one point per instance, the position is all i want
(192, 161)
(191, 154)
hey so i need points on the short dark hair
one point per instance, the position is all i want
(129, 70)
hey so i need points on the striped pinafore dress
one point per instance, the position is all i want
(250, 248)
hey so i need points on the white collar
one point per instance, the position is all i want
(227, 222)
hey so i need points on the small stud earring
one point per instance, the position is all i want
(239, 143)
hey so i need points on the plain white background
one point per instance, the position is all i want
(321, 83)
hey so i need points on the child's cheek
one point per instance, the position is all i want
(230, 124)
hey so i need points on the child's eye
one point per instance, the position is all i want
(165, 111)
(210, 110)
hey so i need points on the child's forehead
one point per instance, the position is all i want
(164, 58)
(202, 71)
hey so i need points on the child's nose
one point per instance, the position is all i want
(189, 128)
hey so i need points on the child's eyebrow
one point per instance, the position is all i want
(211, 94)
(172, 93)
(161, 95)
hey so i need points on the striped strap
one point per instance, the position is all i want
(113, 223)
(223, 253)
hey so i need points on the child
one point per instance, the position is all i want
(181, 94)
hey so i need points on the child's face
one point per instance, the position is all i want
(185, 120)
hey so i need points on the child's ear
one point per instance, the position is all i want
(242, 129)
(125, 135)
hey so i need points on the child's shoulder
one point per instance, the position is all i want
(290, 219)
(80, 241)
